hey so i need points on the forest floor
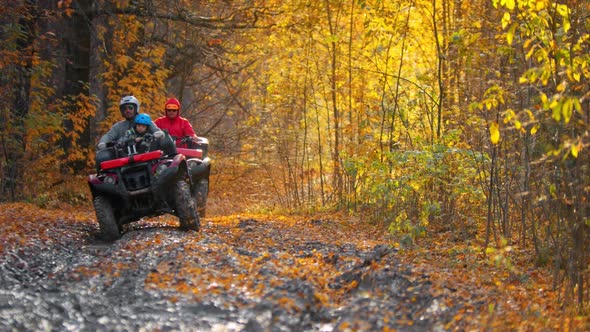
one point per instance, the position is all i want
(262, 272)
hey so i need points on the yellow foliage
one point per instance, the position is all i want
(134, 69)
(494, 133)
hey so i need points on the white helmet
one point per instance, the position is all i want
(129, 100)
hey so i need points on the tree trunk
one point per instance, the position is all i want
(337, 175)
(15, 146)
(97, 88)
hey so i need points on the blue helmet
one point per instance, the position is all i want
(143, 119)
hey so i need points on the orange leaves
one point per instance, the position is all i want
(65, 5)
(163, 267)
(494, 297)
(257, 258)
(85, 272)
(287, 303)
(214, 42)
(324, 298)
(23, 224)
(294, 264)
(156, 280)
(132, 66)
(183, 287)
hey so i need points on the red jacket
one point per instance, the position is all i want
(178, 126)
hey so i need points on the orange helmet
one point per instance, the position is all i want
(172, 104)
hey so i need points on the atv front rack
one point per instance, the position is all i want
(191, 153)
(120, 162)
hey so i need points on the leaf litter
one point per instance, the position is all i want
(240, 273)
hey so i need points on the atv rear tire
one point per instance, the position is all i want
(185, 207)
(109, 229)
(201, 192)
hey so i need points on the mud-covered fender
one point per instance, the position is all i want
(93, 179)
(115, 189)
(199, 168)
(177, 168)
(180, 161)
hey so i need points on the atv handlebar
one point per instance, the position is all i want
(131, 145)
(147, 138)
(186, 141)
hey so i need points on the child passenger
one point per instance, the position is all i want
(137, 134)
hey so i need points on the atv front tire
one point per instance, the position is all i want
(105, 216)
(185, 207)
(201, 192)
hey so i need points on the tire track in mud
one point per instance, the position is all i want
(237, 274)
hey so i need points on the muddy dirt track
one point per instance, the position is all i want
(240, 273)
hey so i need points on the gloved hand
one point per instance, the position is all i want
(147, 138)
(159, 135)
(102, 145)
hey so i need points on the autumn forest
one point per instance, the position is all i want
(420, 117)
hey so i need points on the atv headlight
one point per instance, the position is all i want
(110, 179)
(161, 168)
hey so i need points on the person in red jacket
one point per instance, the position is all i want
(177, 126)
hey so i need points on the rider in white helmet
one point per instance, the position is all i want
(129, 107)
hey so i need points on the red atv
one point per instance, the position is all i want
(199, 165)
(137, 184)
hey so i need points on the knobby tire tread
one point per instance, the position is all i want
(109, 229)
(201, 192)
(185, 207)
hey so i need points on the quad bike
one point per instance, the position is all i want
(140, 182)
(199, 165)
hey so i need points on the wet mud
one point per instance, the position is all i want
(243, 274)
